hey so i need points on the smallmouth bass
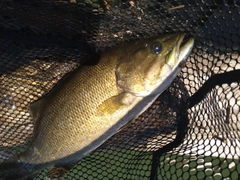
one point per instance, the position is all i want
(93, 102)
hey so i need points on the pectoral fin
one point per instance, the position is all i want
(59, 171)
(115, 103)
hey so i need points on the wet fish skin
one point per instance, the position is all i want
(93, 102)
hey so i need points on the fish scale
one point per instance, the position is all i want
(75, 124)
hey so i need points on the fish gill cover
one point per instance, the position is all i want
(192, 131)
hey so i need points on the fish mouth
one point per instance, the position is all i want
(185, 48)
(181, 50)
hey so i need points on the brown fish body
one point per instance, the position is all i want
(93, 102)
(72, 109)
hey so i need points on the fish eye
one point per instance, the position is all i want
(156, 47)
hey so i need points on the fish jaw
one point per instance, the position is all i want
(176, 59)
(181, 51)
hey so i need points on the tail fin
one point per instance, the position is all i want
(14, 170)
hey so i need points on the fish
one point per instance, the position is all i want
(93, 102)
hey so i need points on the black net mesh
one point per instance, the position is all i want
(192, 131)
